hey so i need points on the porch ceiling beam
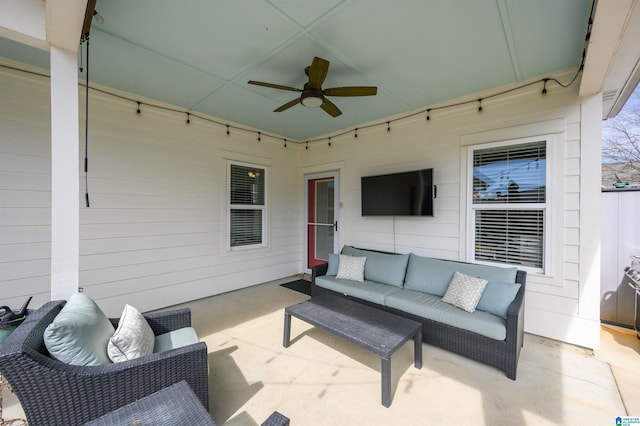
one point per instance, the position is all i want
(65, 19)
(613, 51)
(24, 21)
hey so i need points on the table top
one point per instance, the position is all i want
(374, 329)
(173, 405)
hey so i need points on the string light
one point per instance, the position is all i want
(285, 143)
(428, 111)
(188, 118)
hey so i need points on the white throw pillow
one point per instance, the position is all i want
(134, 337)
(351, 268)
(464, 291)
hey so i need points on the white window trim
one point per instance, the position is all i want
(264, 208)
(547, 209)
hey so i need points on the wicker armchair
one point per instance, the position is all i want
(52, 392)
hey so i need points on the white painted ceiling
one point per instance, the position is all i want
(199, 54)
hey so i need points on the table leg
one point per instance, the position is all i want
(386, 381)
(417, 349)
(287, 330)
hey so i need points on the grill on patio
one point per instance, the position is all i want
(633, 273)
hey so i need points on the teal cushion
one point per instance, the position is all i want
(433, 275)
(334, 260)
(497, 297)
(368, 290)
(79, 334)
(433, 308)
(175, 339)
(381, 267)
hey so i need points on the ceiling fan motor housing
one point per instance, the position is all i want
(311, 97)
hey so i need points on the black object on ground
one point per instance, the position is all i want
(302, 286)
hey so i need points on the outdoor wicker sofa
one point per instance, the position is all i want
(498, 352)
(55, 393)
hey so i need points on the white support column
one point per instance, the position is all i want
(590, 213)
(65, 174)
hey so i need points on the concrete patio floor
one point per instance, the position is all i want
(322, 380)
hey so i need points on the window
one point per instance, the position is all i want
(247, 206)
(509, 203)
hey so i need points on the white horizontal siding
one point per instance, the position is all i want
(25, 190)
(154, 233)
(156, 229)
(553, 301)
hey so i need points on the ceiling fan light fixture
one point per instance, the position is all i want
(312, 98)
(98, 17)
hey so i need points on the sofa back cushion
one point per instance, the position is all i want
(432, 276)
(383, 268)
(334, 261)
(497, 297)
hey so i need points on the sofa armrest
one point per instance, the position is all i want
(318, 271)
(165, 321)
(517, 306)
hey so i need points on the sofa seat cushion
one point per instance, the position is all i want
(367, 290)
(433, 275)
(175, 339)
(381, 267)
(432, 307)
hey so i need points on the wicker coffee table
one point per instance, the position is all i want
(373, 329)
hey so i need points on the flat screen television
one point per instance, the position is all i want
(398, 194)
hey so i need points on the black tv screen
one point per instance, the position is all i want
(398, 194)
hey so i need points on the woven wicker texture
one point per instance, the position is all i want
(503, 354)
(54, 393)
(373, 329)
(174, 405)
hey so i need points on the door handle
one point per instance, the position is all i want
(335, 224)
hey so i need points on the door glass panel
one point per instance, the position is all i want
(320, 229)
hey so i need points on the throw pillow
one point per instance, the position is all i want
(133, 337)
(334, 260)
(464, 291)
(351, 268)
(79, 334)
(497, 297)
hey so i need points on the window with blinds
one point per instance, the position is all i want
(509, 203)
(247, 205)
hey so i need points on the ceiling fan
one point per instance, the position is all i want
(313, 95)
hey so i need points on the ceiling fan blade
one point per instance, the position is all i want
(351, 91)
(330, 108)
(274, 86)
(318, 72)
(287, 105)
